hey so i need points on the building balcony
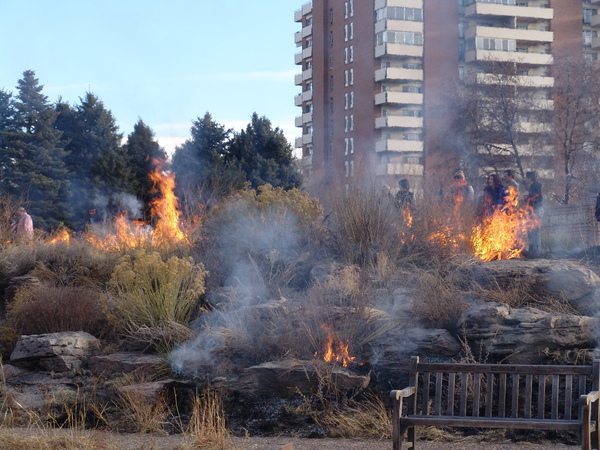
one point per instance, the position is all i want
(399, 145)
(537, 59)
(534, 128)
(303, 97)
(304, 118)
(515, 80)
(519, 12)
(306, 9)
(595, 20)
(305, 53)
(399, 169)
(398, 25)
(402, 98)
(393, 121)
(382, 50)
(305, 75)
(303, 140)
(406, 3)
(398, 73)
(535, 36)
(596, 43)
(306, 31)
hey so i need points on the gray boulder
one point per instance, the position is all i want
(545, 279)
(525, 335)
(57, 352)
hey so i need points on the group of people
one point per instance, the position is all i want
(495, 196)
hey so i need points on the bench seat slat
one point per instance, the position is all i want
(488, 422)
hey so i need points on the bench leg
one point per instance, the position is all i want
(407, 437)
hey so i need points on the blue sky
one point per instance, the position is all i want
(164, 61)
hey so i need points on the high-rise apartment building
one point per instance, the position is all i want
(375, 75)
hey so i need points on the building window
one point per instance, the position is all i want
(346, 145)
(330, 105)
(309, 86)
(587, 15)
(351, 122)
(346, 10)
(399, 37)
(331, 82)
(399, 13)
(309, 64)
(331, 128)
(346, 78)
(351, 77)
(347, 168)
(331, 17)
(351, 30)
(308, 21)
(352, 53)
(351, 168)
(504, 45)
(351, 99)
(309, 129)
(588, 35)
(331, 60)
(351, 5)
(346, 101)
(309, 107)
(331, 39)
(346, 123)
(351, 145)
(346, 55)
(346, 33)
(308, 43)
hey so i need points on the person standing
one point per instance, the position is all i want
(404, 197)
(461, 191)
(494, 195)
(25, 225)
(534, 200)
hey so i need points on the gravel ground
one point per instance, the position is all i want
(122, 441)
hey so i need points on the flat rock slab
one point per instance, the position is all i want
(58, 352)
(291, 376)
(125, 362)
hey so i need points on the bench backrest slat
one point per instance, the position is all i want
(437, 407)
(451, 385)
(476, 392)
(568, 396)
(541, 395)
(464, 384)
(426, 385)
(528, 395)
(515, 395)
(489, 395)
(554, 407)
(502, 396)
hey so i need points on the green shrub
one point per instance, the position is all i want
(149, 291)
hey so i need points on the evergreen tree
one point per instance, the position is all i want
(33, 156)
(7, 113)
(98, 164)
(201, 170)
(264, 155)
(143, 151)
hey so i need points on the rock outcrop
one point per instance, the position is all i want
(525, 335)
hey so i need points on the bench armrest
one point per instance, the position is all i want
(403, 393)
(589, 398)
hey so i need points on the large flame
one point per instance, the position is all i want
(335, 350)
(503, 234)
(123, 233)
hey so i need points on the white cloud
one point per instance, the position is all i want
(169, 143)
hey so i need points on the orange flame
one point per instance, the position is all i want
(61, 235)
(123, 233)
(335, 350)
(503, 234)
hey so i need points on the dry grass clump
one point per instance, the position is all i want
(143, 414)
(363, 227)
(207, 423)
(49, 309)
(48, 439)
(366, 418)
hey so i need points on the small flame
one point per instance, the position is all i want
(61, 235)
(335, 350)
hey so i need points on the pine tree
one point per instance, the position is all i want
(144, 152)
(264, 155)
(33, 157)
(98, 164)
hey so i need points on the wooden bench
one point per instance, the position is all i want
(510, 396)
